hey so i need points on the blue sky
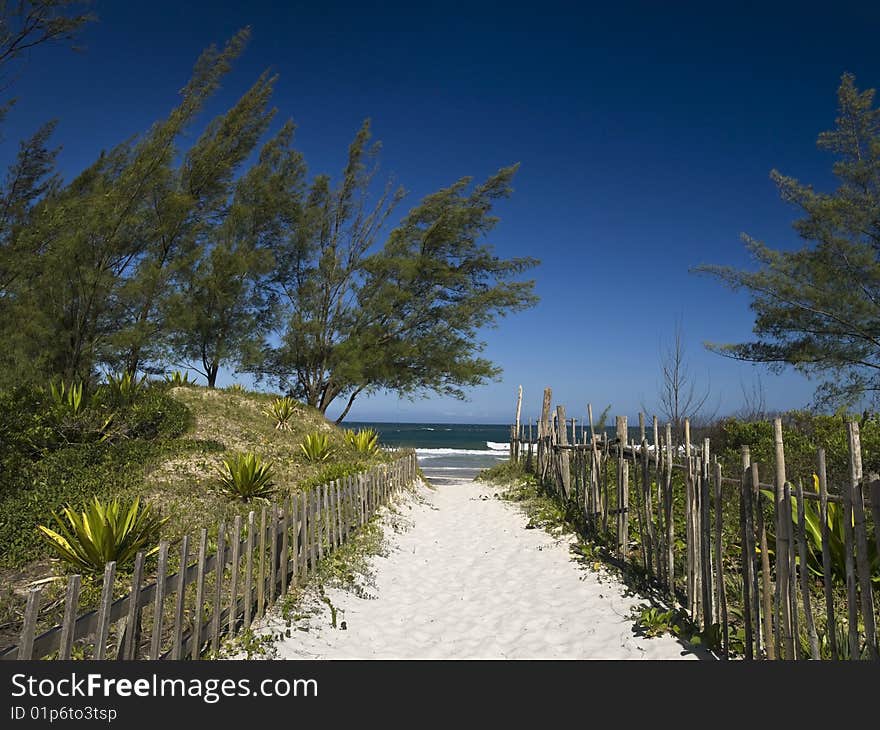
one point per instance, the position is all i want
(645, 133)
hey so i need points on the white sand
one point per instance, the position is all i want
(468, 581)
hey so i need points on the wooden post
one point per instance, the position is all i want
(233, 581)
(648, 506)
(294, 548)
(805, 573)
(339, 510)
(273, 552)
(766, 587)
(285, 543)
(720, 589)
(133, 618)
(848, 545)
(518, 412)
(219, 570)
(622, 489)
(746, 565)
(104, 610)
(29, 625)
(159, 603)
(180, 599)
(863, 566)
(249, 571)
(783, 530)
(830, 620)
(563, 462)
(71, 607)
(706, 540)
(313, 527)
(198, 614)
(792, 574)
(660, 533)
(670, 526)
(544, 436)
(261, 566)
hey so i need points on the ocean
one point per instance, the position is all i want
(447, 451)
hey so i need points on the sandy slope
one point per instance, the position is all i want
(467, 580)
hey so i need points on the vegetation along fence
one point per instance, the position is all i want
(770, 570)
(222, 593)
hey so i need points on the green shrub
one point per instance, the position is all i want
(803, 433)
(836, 538)
(316, 447)
(364, 441)
(282, 410)
(103, 532)
(41, 473)
(67, 400)
(124, 388)
(332, 472)
(246, 477)
(178, 378)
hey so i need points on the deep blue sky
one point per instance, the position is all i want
(645, 131)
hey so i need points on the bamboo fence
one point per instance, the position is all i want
(679, 501)
(212, 596)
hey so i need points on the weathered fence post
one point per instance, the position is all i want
(783, 530)
(746, 550)
(670, 526)
(563, 461)
(622, 489)
(863, 566)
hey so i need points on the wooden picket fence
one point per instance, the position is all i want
(773, 595)
(222, 593)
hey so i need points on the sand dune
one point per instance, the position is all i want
(468, 581)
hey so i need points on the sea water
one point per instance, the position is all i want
(447, 452)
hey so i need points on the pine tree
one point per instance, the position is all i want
(817, 309)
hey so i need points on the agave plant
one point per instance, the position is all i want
(836, 538)
(316, 447)
(178, 378)
(103, 532)
(235, 388)
(282, 410)
(67, 399)
(365, 441)
(246, 477)
(124, 387)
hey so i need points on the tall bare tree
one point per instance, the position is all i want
(681, 397)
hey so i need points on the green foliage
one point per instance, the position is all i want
(360, 314)
(316, 447)
(235, 388)
(43, 472)
(364, 441)
(804, 433)
(68, 400)
(603, 419)
(246, 477)
(103, 532)
(654, 622)
(282, 410)
(504, 472)
(123, 388)
(809, 314)
(332, 472)
(178, 378)
(836, 538)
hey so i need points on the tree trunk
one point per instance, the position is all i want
(211, 373)
(348, 405)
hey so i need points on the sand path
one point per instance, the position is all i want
(467, 580)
